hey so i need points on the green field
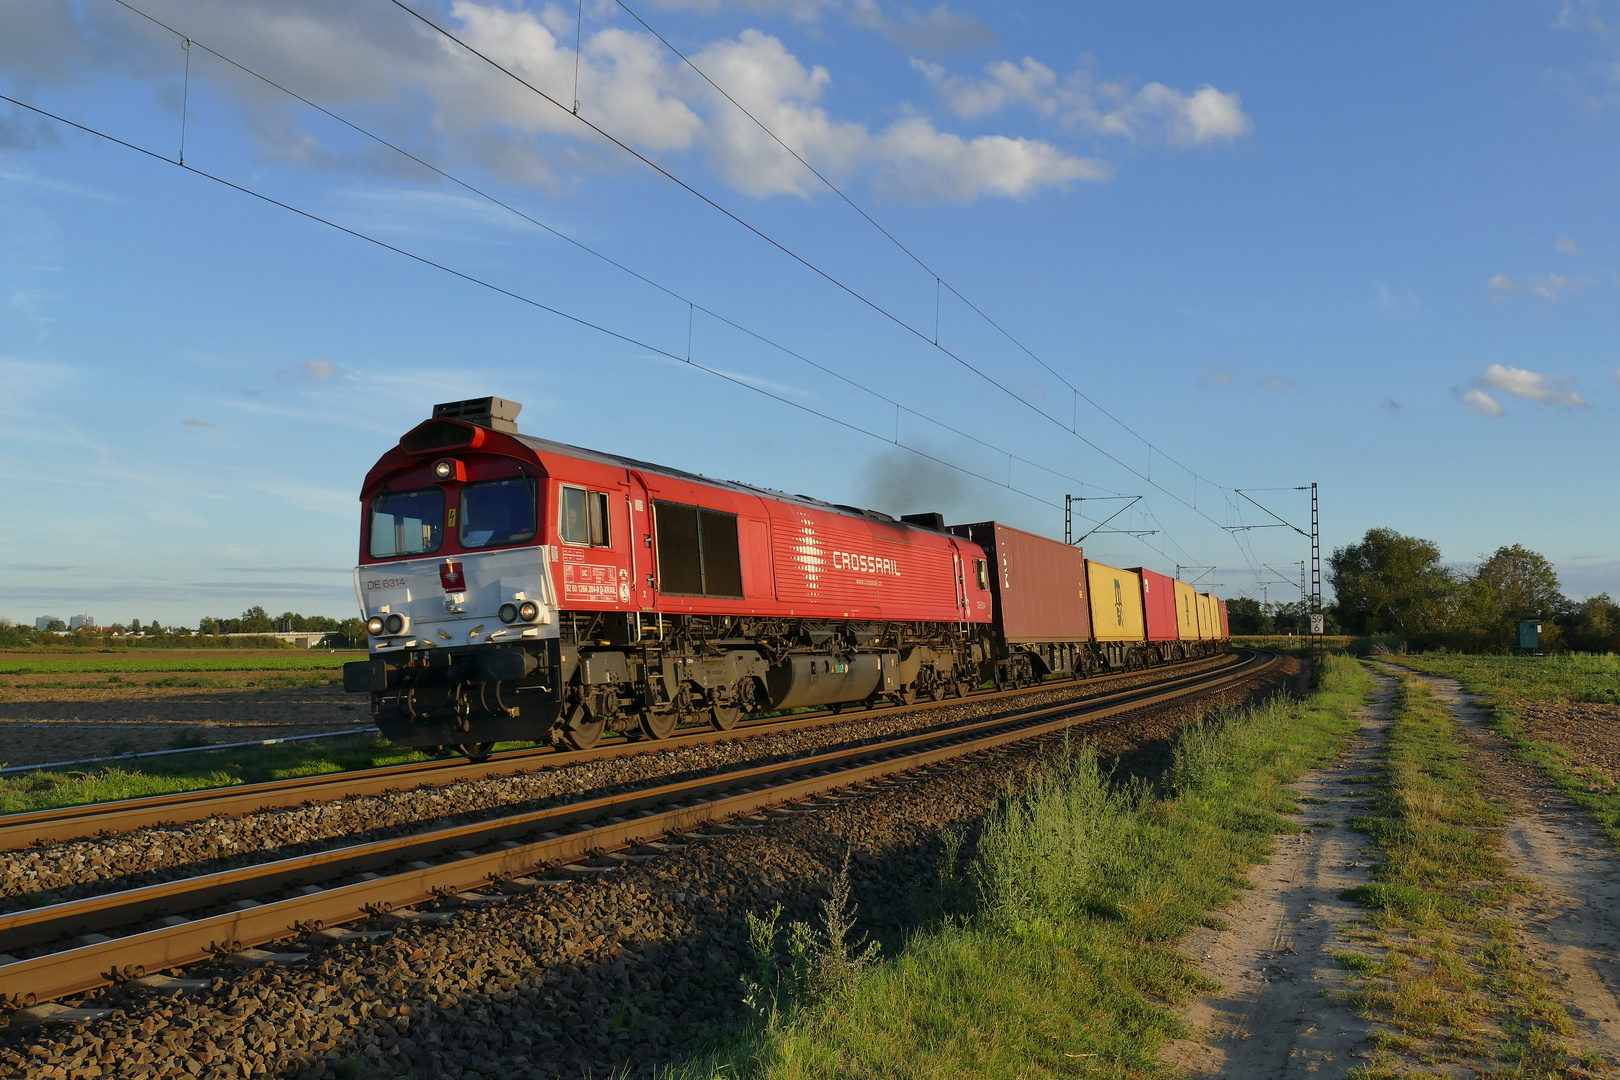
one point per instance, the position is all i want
(1502, 680)
(199, 660)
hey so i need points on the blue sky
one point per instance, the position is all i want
(1372, 247)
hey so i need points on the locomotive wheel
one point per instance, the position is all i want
(724, 717)
(659, 725)
(962, 687)
(906, 695)
(583, 730)
(936, 690)
(476, 752)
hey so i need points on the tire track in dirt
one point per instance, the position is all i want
(1573, 928)
(1282, 1010)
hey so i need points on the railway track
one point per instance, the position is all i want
(174, 924)
(19, 831)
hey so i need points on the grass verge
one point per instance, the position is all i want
(190, 660)
(1453, 983)
(1059, 958)
(52, 788)
(1504, 684)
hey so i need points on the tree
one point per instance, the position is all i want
(354, 631)
(1244, 615)
(256, 620)
(1522, 582)
(1593, 625)
(1390, 582)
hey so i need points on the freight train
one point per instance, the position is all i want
(516, 588)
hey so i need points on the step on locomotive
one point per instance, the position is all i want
(516, 588)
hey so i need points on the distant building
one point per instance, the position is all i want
(44, 621)
(82, 620)
(312, 639)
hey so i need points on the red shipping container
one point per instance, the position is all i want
(1039, 584)
(1158, 604)
(1226, 628)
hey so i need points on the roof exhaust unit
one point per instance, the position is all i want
(495, 413)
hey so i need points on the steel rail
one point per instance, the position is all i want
(598, 825)
(37, 827)
(31, 926)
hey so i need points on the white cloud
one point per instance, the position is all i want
(1568, 246)
(910, 160)
(317, 370)
(1547, 388)
(1480, 403)
(800, 11)
(1080, 102)
(1275, 382)
(1545, 285)
(1216, 377)
(421, 90)
(937, 30)
(192, 421)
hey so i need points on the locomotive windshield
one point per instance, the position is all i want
(407, 523)
(497, 512)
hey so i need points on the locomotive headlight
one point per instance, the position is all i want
(396, 623)
(508, 613)
(444, 470)
(374, 625)
(528, 611)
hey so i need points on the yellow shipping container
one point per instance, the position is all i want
(1116, 603)
(1209, 621)
(1186, 611)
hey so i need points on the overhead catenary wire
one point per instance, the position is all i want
(691, 305)
(521, 298)
(817, 270)
(939, 281)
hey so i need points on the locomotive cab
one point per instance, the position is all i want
(455, 585)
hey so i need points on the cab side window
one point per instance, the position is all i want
(584, 518)
(981, 573)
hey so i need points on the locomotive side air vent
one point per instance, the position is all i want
(927, 521)
(490, 412)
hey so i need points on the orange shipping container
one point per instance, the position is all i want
(1039, 584)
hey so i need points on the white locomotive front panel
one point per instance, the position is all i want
(465, 599)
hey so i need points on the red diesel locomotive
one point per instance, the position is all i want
(519, 589)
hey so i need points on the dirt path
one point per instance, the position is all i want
(1282, 1011)
(1573, 928)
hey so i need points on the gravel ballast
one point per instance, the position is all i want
(621, 970)
(75, 869)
